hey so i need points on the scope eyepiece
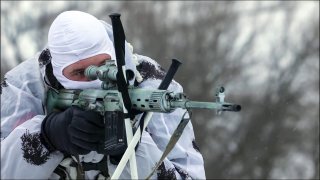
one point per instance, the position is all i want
(91, 72)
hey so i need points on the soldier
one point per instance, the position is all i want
(36, 144)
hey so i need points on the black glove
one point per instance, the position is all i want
(73, 131)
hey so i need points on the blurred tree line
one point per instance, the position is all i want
(266, 55)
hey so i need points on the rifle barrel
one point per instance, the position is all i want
(205, 105)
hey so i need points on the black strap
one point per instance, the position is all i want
(62, 172)
(119, 46)
(51, 78)
(102, 166)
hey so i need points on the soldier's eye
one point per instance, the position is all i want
(79, 73)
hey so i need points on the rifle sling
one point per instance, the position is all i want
(172, 142)
(119, 46)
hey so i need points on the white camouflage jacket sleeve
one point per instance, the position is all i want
(22, 154)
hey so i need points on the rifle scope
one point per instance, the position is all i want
(107, 72)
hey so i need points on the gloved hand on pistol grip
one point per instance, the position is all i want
(73, 131)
